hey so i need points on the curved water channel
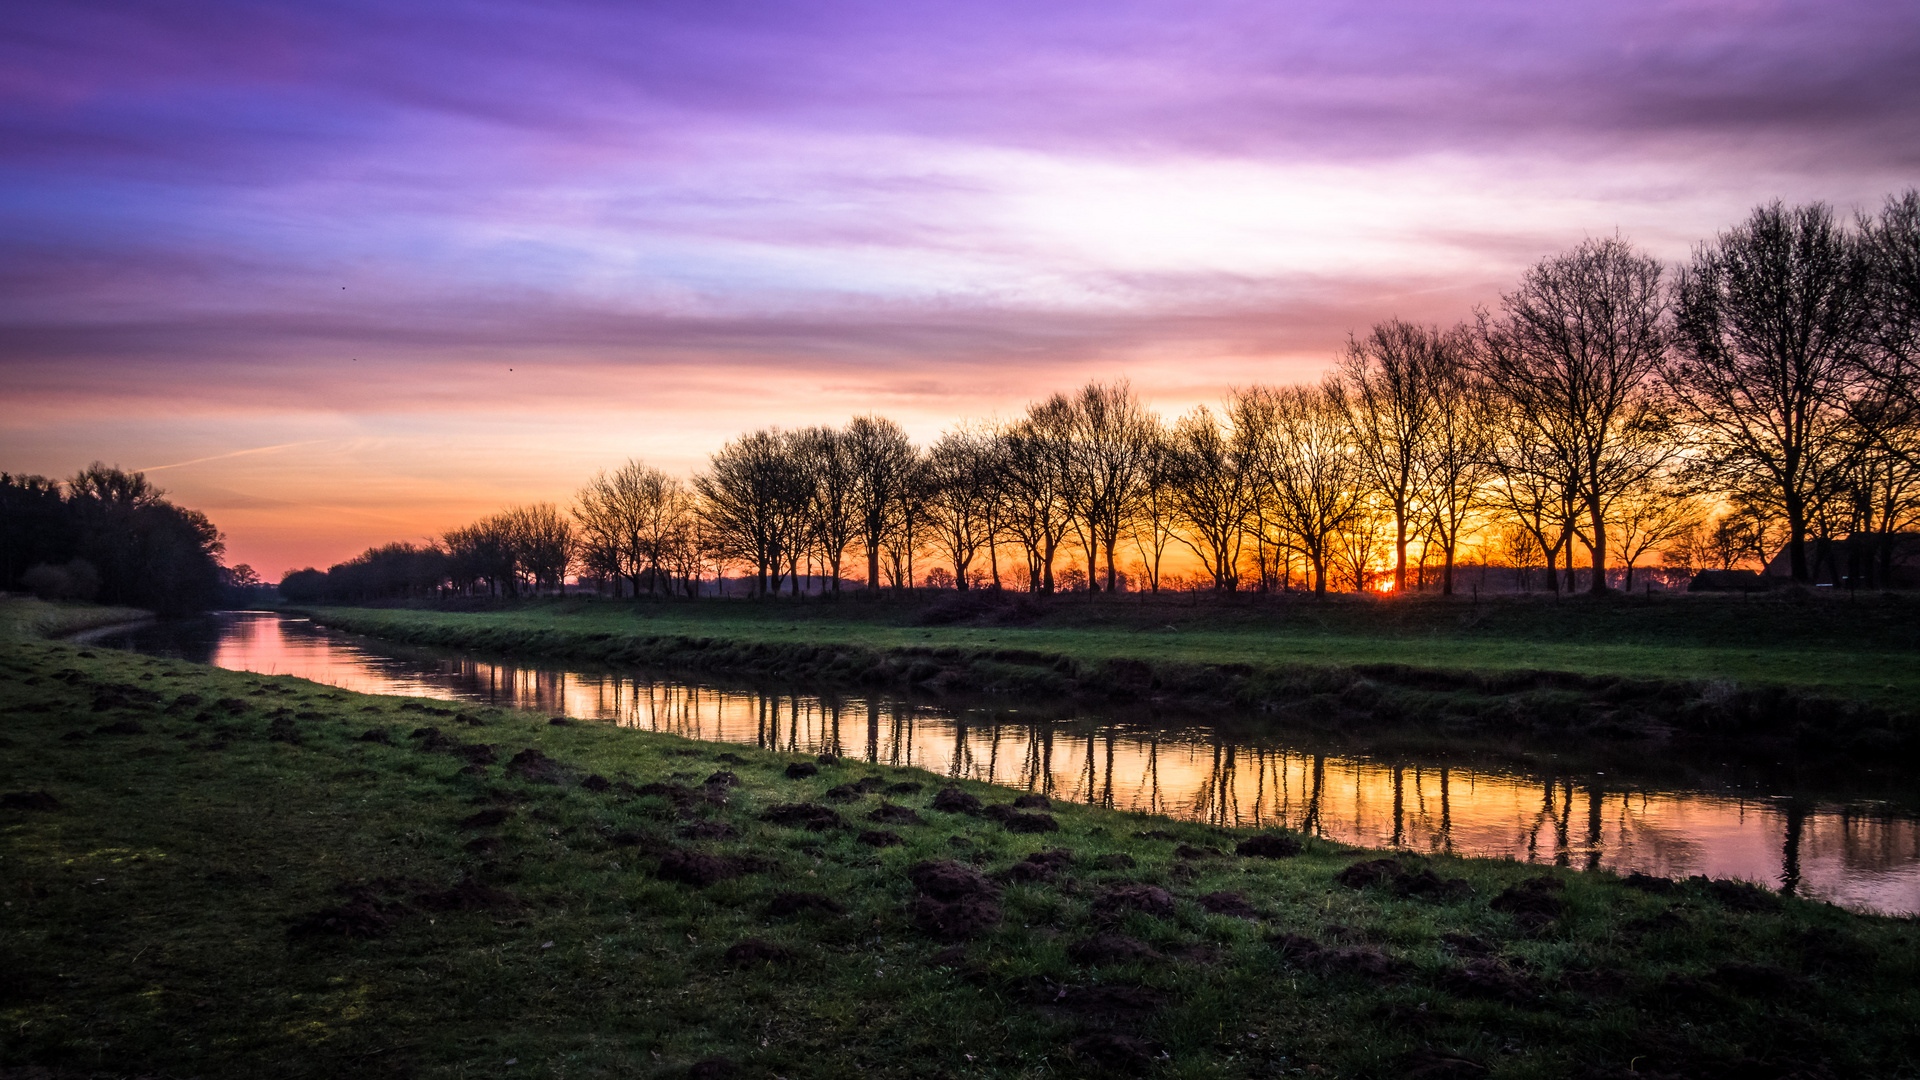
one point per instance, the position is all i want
(1860, 853)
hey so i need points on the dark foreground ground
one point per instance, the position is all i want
(210, 873)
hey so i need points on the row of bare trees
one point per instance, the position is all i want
(1602, 413)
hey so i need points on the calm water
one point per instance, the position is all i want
(1858, 853)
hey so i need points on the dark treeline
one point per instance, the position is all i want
(111, 536)
(1608, 417)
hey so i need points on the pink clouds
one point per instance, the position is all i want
(684, 220)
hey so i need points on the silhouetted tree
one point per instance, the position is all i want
(1773, 325)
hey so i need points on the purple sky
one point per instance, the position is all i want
(306, 243)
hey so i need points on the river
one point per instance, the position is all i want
(1850, 849)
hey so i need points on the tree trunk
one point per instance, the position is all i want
(1599, 587)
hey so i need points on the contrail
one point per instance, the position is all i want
(231, 453)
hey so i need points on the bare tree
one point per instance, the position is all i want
(1038, 484)
(1531, 486)
(1650, 518)
(1393, 378)
(827, 458)
(544, 543)
(626, 518)
(1575, 349)
(1891, 244)
(1212, 494)
(1456, 455)
(961, 477)
(882, 457)
(1111, 437)
(753, 501)
(1304, 466)
(1153, 524)
(1773, 325)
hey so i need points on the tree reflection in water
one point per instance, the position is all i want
(1864, 858)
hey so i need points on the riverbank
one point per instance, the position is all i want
(1818, 678)
(222, 874)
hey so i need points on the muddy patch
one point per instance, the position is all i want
(1229, 903)
(800, 770)
(954, 801)
(29, 800)
(953, 901)
(1534, 903)
(890, 814)
(1121, 899)
(1112, 949)
(534, 767)
(1393, 875)
(697, 869)
(1268, 846)
(486, 819)
(1031, 823)
(809, 816)
(880, 838)
(1359, 960)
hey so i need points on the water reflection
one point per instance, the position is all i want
(1864, 859)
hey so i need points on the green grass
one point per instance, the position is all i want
(148, 926)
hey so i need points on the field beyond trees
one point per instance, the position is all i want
(215, 873)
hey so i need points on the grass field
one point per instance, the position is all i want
(212, 873)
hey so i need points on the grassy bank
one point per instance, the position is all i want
(22, 617)
(211, 873)
(1820, 676)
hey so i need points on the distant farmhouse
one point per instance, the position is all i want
(1861, 560)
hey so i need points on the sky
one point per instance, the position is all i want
(339, 274)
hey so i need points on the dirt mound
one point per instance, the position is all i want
(124, 727)
(952, 800)
(1229, 903)
(1362, 961)
(1033, 802)
(787, 904)
(755, 952)
(808, 816)
(1737, 895)
(469, 895)
(1491, 981)
(1754, 980)
(483, 845)
(904, 787)
(867, 785)
(954, 900)
(596, 783)
(723, 778)
(1114, 1052)
(486, 819)
(559, 721)
(1112, 949)
(362, 915)
(1190, 851)
(889, 814)
(28, 800)
(1392, 875)
(880, 838)
(1648, 883)
(375, 735)
(1268, 846)
(1121, 1005)
(1467, 944)
(1149, 899)
(1031, 823)
(696, 868)
(1039, 866)
(535, 767)
(800, 770)
(1118, 860)
(1535, 902)
(843, 793)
